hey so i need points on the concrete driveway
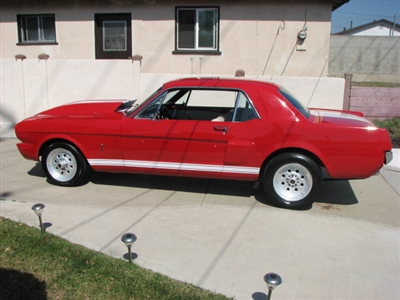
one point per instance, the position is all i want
(221, 235)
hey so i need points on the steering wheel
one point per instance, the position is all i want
(165, 113)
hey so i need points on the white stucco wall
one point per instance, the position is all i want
(377, 31)
(31, 86)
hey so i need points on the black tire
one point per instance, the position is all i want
(63, 164)
(292, 180)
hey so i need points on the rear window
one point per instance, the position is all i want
(296, 103)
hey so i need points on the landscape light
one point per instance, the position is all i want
(129, 239)
(38, 209)
(272, 280)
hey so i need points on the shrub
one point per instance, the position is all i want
(393, 126)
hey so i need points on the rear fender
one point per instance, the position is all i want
(313, 154)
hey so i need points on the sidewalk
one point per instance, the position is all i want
(391, 172)
(220, 236)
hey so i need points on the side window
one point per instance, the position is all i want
(244, 109)
(36, 29)
(211, 105)
(212, 98)
(176, 97)
(113, 36)
(151, 110)
(200, 105)
(165, 106)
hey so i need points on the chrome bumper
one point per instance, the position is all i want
(388, 157)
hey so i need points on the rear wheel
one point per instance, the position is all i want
(292, 180)
(63, 164)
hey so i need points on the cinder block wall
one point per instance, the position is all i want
(368, 58)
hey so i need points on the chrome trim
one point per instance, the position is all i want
(174, 166)
(388, 157)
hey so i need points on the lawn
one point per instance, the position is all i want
(37, 265)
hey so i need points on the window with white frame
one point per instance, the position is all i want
(36, 29)
(197, 29)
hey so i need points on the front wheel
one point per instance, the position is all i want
(292, 181)
(63, 164)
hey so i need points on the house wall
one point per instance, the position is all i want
(259, 37)
(368, 58)
(377, 31)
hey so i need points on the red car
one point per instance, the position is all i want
(209, 127)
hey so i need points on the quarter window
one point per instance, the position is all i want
(197, 29)
(36, 29)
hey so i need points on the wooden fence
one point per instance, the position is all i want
(376, 103)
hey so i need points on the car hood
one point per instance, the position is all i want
(340, 117)
(84, 109)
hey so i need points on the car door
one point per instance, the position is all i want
(171, 136)
(151, 142)
(210, 111)
(245, 134)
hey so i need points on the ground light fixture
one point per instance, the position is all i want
(38, 209)
(272, 280)
(129, 239)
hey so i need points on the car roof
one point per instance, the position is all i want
(217, 82)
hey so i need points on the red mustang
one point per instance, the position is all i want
(209, 127)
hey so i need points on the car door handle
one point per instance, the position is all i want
(221, 128)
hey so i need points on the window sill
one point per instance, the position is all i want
(199, 52)
(37, 43)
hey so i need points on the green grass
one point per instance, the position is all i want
(393, 127)
(36, 265)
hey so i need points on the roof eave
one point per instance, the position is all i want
(338, 3)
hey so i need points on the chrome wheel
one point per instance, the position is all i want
(292, 180)
(61, 164)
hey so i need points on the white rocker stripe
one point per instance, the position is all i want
(106, 162)
(241, 170)
(173, 166)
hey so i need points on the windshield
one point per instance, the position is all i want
(296, 103)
